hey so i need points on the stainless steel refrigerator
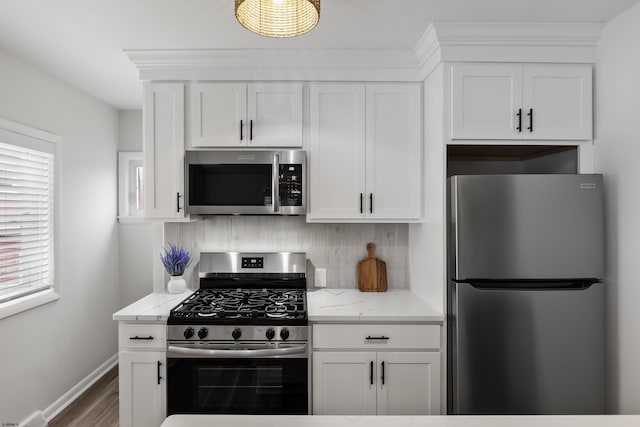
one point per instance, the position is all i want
(525, 321)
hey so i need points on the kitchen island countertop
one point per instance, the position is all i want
(402, 421)
(351, 305)
(154, 307)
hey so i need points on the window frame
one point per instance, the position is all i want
(35, 299)
(126, 161)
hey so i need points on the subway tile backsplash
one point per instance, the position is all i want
(336, 247)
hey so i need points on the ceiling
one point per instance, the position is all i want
(82, 41)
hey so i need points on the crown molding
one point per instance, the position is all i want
(277, 64)
(506, 42)
(441, 42)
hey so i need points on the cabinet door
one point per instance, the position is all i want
(344, 383)
(275, 114)
(218, 115)
(393, 151)
(163, 147)
(336, 151)
(408, 383)
(485, 100)
(142, 388)
(560, 98)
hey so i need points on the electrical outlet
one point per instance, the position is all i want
(321, 278)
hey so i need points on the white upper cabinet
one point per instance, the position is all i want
(560, 99)
(393, 151)
(245, 115)
(534, 102)
(163, 150)
(336, 150)
(218, 114)
(484, 101)
(365, 152)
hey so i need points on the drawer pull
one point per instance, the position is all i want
(137, 338)
(380, 338)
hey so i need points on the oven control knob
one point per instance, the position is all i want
(236, 334)
(188, 333)
(270, 333)
(203, 332)
(284, 334)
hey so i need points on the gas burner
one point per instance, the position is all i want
(276, 310)
(244, 306)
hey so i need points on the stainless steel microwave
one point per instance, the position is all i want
(242, 182)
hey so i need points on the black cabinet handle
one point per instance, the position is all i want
(241, 127)
(370, 202)
(250, 130)
(137, 338)
(178, 202)
(361, 202)
(159, 377)
(382, 376)
(381, 337)
(519, 114)
(371, 373)
(530, 114)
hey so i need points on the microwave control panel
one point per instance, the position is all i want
(290, 185)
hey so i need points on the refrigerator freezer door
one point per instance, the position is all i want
(526, 227)
(526, 351)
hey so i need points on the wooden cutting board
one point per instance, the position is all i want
(372, 272)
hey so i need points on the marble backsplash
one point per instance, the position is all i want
(336, 247)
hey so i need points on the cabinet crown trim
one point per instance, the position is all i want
(507, 42)
(276, 64)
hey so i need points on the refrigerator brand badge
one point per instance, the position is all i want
(587, 185)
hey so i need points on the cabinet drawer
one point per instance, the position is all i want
(142, 335)
(341, 336)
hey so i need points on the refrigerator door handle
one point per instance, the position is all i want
(577, 284)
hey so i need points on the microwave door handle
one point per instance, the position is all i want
(275, 188)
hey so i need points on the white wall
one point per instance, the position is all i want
(49, 349)
(134, 239)
(617, 156)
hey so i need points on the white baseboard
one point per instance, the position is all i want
(35, 420)
(66, 399)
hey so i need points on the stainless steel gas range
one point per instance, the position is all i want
(239, 344)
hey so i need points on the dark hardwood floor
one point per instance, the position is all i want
(96, 407)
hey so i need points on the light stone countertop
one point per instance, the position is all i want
(154, 307)
(349, 305)
(323, 305)
(402, 421)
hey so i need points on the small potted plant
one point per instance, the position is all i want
(175, 261)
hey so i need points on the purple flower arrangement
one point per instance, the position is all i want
(175, 260)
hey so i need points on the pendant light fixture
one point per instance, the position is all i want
(278, 18)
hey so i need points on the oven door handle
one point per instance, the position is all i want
(265, 352)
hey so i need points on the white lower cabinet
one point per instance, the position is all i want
(142, 374)
(343, 383)
(409, 383)
(142, 388)
(378, 372)
(376, 383)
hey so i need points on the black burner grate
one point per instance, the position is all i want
(247, 306)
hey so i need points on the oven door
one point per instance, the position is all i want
(237, 379)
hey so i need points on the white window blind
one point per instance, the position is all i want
(26, 215)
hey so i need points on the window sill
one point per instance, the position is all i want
(27, 302)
